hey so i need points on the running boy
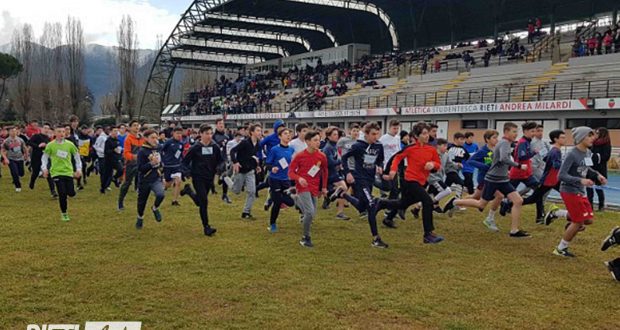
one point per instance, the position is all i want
(203, 161)
(497, 182)
(309, 171)
(367, 155)
(149, 176)
(132, 143)
(575, 175)
(15, 153)
(549, 177)
(482, 161)
(278, 160)
(172, 151)
(60, 152)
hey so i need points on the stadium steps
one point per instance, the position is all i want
(446, 88)
(531, 90)
(391, 90)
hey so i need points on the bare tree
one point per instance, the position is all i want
(58, 72)
(127, 56)
(75, 63)
(22, 49)
(44, 76)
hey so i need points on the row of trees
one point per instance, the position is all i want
(49, 84)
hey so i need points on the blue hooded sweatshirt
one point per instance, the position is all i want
(270, 141)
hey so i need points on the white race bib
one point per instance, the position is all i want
(17, 149)
(588, 161)
(370, 159)
(314, 170)
(283, 163)
(62, 154)
(118, 150)
(207, 151)
(177, 154)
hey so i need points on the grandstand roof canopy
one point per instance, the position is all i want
(239, 32)
(428, 22)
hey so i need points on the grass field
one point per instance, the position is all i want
(169, 276)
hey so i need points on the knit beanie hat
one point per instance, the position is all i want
(580, 133)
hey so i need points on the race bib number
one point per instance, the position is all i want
(118, 150)
(17, 149)
(313, 171)
(283, 163)
(207, 151)
(62, 154)
(177, 154)
(588, 161)
(370, 159)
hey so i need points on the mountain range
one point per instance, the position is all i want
(101, 72)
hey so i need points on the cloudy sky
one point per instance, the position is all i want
(100, 18)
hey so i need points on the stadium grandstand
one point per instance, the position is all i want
(460, 64)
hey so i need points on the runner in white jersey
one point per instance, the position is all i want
(298, 144)
(391, 140)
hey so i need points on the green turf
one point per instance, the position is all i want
(170, 276)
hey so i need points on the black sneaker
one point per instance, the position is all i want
(416, 213)
(268, 204)
(520, 234)
(54, 195)
(337, 194)
(156, 214)
(175, 203)
(378, 243)
(187, 190)
(209, 231)
(389, 223)
(437, 209)
(505, 208)
(563, 253)
(614, 271)
(306, 242)
(117, 183)
(450, 207)
(139, 223)
(540, 221)
(247, 216)
(325, 205)
(401, 214)
(611, 239)
(549, 218)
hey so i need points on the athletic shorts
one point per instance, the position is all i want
(169, 171)
(331, 181)
(578, 207)
(488, 192)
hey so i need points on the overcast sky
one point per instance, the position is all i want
(100, 18)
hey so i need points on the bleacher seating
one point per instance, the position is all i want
(529, 72)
